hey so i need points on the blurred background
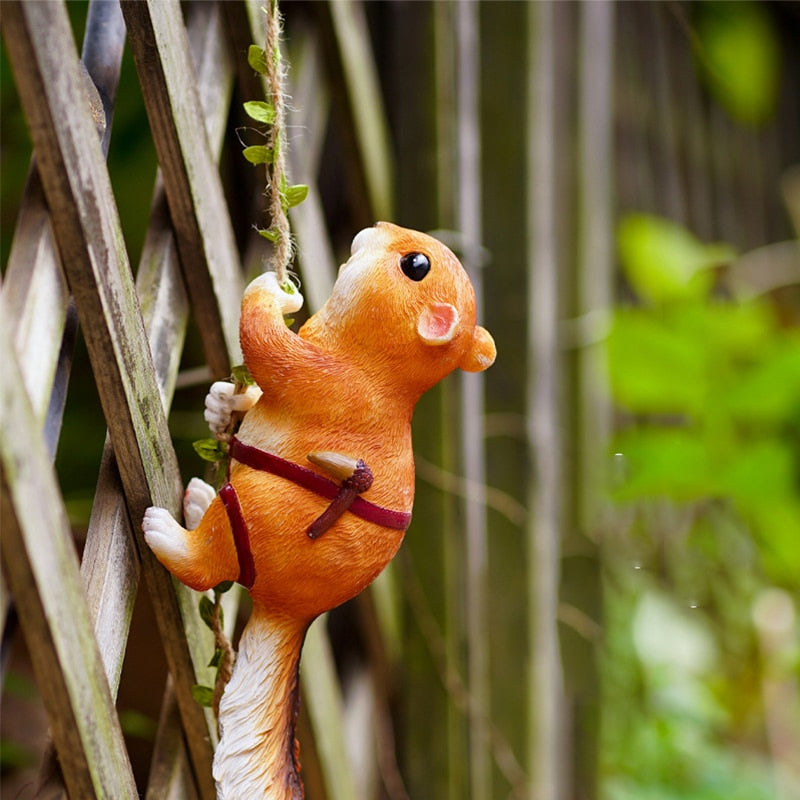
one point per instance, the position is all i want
(598, 595)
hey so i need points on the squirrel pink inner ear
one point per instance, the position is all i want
(437, 323)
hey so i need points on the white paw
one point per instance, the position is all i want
(166, 538)
(196, 500)
(221, 402)
(288, 302)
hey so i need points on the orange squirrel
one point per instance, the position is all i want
(336, 400)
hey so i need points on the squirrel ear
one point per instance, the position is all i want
(437, 324)
(481, 354)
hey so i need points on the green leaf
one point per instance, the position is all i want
(258, 154)
(665, 462)
(260, 111)
(210, 450)
(294, 195)
(739, 57)
(216, 658)
(206, 608)
(272, 235)
(769, 391)
(225, 586)
(759, 473)
(257, 59)
(657, 363)
(240, 374)
(203, 695)
(665, 262)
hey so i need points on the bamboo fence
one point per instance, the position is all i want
(517, 131)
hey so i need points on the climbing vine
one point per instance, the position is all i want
(281, 196)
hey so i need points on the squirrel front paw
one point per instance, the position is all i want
(196, 500)
(222, 402)
(286, 295)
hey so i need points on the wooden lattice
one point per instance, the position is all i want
(69, 267)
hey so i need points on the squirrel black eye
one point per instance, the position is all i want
(415, 265)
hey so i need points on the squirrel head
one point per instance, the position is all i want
(404, 307)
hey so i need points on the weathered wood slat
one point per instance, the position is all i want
(34, 283)
(36, 296)
(90, 241)
(42, 322)
(110, 562)
(191, 181)
(42, 571)
(170, 773)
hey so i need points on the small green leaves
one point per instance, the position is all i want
(259, 154)
(206, 608)
(260, 111)
(270, 234)
(203, 695)
(210, 449)
(240, 374)
(292, 196)
(257, 59)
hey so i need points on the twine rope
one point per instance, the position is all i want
(227, 655)
(276, 176)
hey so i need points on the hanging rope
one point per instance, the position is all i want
(227, 656)
(280, 198)
(276, 173)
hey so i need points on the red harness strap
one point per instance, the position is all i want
(302, 476)
(241, 536)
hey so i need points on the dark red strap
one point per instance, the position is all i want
(314, 482)
(241, 537)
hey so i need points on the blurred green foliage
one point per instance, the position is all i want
(708, 390)
(715, 382)
(739, 57)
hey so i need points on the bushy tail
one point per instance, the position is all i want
(257, 756)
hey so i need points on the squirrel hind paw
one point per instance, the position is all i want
(165, 537)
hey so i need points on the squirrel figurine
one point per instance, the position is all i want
(321, 481)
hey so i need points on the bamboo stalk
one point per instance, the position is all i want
(366, 104)
(323, 695)
(581, 588)
(447, 181)
(471, 434)
(544, 680)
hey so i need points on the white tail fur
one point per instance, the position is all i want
(256, 756)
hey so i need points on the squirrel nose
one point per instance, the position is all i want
(361, 239)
